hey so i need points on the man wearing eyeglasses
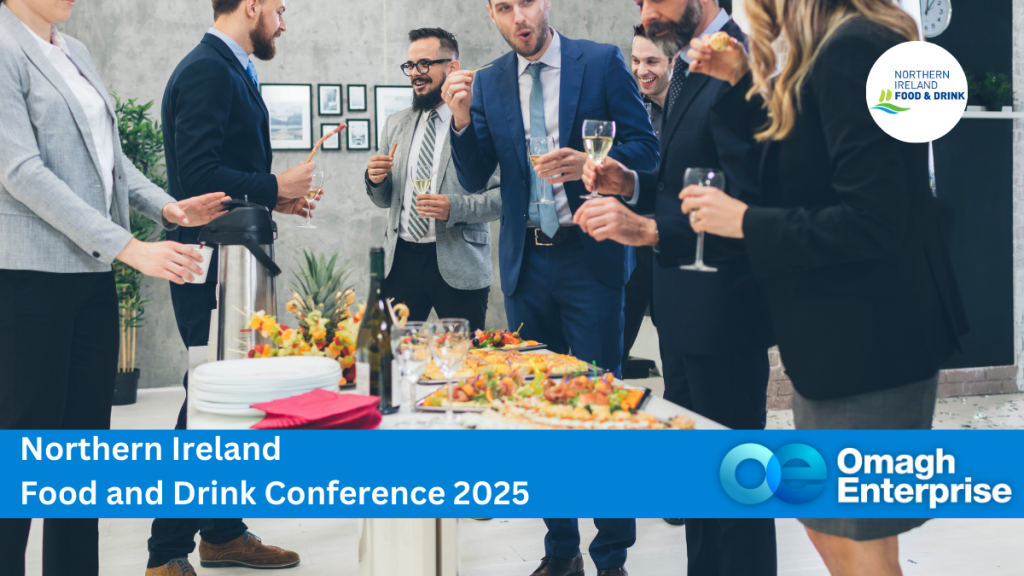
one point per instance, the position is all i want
(438, 240)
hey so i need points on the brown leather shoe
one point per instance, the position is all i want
(550, 566)
(246, 550)
(176, 567)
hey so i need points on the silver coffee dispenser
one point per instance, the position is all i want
(246, 272)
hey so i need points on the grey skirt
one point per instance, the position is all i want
(908, 407)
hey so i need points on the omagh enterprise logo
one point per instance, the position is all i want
(885, 106)
(795, 474)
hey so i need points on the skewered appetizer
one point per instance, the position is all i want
(499, 339)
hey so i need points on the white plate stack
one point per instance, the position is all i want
(230, 387)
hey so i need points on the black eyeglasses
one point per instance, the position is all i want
(423, 66)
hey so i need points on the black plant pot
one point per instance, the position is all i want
(126, 387)
(994, 107)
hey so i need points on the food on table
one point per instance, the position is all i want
(720, 41)
(500, 339)
(510, 362)
(534, 412)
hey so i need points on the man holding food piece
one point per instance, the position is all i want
(217, 137)
(564, 288)
(438, 237)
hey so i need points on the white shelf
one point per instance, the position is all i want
(993, 115)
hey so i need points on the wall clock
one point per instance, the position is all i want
(935, 15)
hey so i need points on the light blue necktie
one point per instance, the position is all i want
(251, 69)
(542, 214)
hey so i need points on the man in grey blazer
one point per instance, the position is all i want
(438, 252)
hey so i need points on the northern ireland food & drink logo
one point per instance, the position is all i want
(916, 92)
(795, 473)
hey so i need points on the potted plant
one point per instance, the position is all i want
(142, 141)
(993, 91)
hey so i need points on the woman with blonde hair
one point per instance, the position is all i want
(849, 243)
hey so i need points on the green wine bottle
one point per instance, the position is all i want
(373, 347)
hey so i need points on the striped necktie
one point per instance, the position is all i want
(418, 226)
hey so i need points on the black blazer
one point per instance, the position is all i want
(216, 132)
(852, 251)
(707, 312)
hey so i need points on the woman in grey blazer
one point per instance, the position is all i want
(65, 190)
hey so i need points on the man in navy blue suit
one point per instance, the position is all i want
(217, 138)
(566, 289)
(713, 327)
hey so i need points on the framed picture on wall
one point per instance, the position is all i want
(329, 99)
(387, 100)
(357, 97)
(291, 115)
(358, 132)
(332, 143)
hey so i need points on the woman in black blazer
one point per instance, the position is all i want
(849, 244)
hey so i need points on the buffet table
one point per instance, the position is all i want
(429, 547)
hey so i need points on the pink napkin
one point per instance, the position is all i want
(320, 409)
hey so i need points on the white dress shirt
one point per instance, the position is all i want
(101, 124)
(442, 125)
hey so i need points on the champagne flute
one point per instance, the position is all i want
(410, 347)
(314, 190)
(535, 148)
(598, 136)
(450, 340)
(702, 177)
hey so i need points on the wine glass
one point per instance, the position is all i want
(450, 340)
(410, 347)
(702, 177)
(598, 136)
(535, 148)
(315, 189)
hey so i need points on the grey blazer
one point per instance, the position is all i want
(464, 242)
(52, 204)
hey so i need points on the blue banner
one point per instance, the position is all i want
(512, 474)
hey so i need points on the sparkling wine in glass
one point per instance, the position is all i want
(410, 347)
(314, 190)
(535, 148)
(714, 178)
(450, 341)
(598, 137)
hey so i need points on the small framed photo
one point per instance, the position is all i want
(357, 97)
(387, 100)
(291, 115)
(332, 143)
(358, 132)
(329, 99)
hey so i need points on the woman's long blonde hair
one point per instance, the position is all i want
(804, 26)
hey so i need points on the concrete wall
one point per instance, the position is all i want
(137, 43)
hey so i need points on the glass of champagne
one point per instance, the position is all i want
(535, 148)
(598, 136)
(410, 347)
(314, 190)
(450, 340)
(714, 178)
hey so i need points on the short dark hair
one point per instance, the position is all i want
(221, 7)
(639, 31)
(448, 42)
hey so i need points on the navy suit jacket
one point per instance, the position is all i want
(705, 312)
(595, 85)
(216, 132)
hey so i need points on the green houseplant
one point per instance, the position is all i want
(143, 143)
(993, 91)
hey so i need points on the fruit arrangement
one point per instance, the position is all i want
(498, 339)
(341, 345)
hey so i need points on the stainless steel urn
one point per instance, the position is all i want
(245, 275)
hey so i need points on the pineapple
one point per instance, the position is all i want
(320, 293)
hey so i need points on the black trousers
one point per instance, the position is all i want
(416, 281)
(176, 537)
(731, 388)
(58, 361)
(638, 298)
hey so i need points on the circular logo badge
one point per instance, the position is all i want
(917, 92)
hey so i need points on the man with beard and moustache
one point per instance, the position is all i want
(565, 289)
(438, 242)
(217, 137)
(714, 328)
